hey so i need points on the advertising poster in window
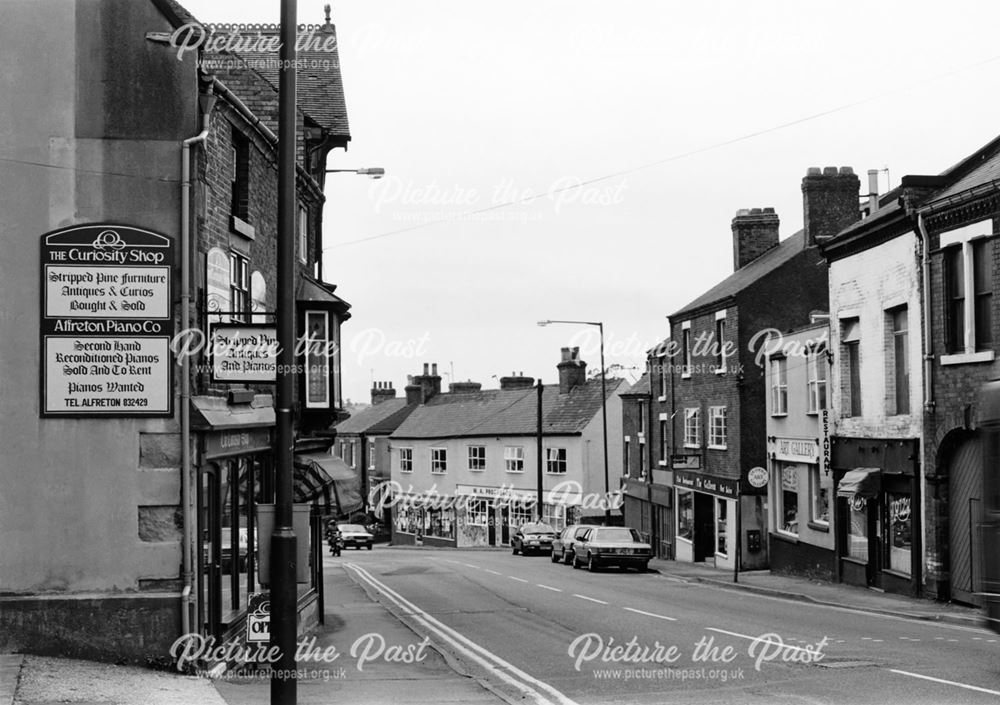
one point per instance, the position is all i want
(317, 364)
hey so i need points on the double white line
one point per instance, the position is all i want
(540, 692)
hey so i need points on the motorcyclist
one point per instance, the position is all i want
(333, 538)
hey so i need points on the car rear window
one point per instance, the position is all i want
(352, 527)
(618, 534)
(537, 529)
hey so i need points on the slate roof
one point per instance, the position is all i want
(987, 171)
(383, 417)
(506, 412)
(640, 388)
(744, 277)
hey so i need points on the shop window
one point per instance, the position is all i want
(779, 386)
(850, 339)
(439, 460)
(239, 287)
(520, 513)
(406, 459)
(685, 514)
(513, 458)
(717, 427)
(816, 373)
(857, 529)
(555, 461)
(477, 512)
(439, 523)
(721, 522)
(820, 495)
(692, 428)
(787, 498)
(554, 515)
(408, 519)
(477, 458)
(900, 544)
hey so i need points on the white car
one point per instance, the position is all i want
(356, 535)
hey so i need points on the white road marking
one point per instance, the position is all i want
(469, 565)
(547, 587)
(520, 580)
(650, 614)
(495, 572)
(763, 641)
(487, 659)
(941, 680)
(592, 599)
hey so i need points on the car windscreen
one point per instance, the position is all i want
(353, 528)
(616, 533)
(537, 529)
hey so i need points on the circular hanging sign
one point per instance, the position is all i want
(757, 477)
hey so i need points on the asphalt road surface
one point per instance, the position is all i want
(546, 633)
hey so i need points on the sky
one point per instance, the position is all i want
(583, 160)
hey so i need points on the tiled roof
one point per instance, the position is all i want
(510, 412)
(744, 277)
(639, 388)
(377, 418)
(987, 171)
(175, 12)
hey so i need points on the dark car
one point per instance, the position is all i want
(564, 544)
(532, 537)
(356, 535)
(612, 545)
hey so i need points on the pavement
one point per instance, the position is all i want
(353, 614)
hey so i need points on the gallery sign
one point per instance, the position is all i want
(106, 322)
(796, 450)
(721, 486)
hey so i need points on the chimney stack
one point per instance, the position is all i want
(517, 381)
(755, 231)
(572, 370)
(464, 387)
(382, 391)
(830, 201)
(425, 386)
(872, 191)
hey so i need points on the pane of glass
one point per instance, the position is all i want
(721, 507)
(900, 540)
(685, 514)
(984, 323)
(854, 370)
(857, 532)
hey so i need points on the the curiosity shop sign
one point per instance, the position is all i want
(106, 322)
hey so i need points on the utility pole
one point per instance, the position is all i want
(284, 617)
(540, 474)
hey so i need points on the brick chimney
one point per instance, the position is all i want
(464, 387)
(517, 381)
(755, 231)
(830, 201)
(382, 391)
(424, 386)
(572, 370)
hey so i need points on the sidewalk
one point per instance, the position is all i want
(764, 582)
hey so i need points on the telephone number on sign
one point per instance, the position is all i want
(98, 402)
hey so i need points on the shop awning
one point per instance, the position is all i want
(328, 478)
(860, 482)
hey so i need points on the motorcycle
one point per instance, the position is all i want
(334, 540)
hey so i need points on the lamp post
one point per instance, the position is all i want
(604, 410)
(374, 172)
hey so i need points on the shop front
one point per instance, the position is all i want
(878, 537)
(706, 518)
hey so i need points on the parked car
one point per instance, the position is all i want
(564, 544)
(612, 545)
(356, 535)
(535, 537)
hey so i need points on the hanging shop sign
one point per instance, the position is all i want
(723, 487)
(106, 322)
(244, 352)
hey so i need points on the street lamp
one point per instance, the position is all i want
(374, 172)
(604, 410)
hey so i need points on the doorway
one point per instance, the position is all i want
(964, 519)
(704, 526)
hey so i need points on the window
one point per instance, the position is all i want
(239, 286)
(983, 291)
(477, 458)
(353, 452)
(857, 529)
(663, 440)
(685, 514)
(692, 428)
(720, 342)
(555, 461)
(554, 515)
(816, 372)
(820, 494)
(686, 352)
(439, 522)
(240, 176)
(316, 380)
(721, 514)
(850, 338)
(302, 226)
(779, 386)
(628, 457)
(717, 427)
(477, 512)
(968, 292)
(900, 361)
(954, 277)
(787, 498)
(642, 457)
(663, 379)
(513, 458)
(439, 460)
(900, 545)
(642, 419)
(520, 513)
(371, 455)
(406, 459)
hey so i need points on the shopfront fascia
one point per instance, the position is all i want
(705, 509)
(878, 517)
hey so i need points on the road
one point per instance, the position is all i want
(542, 632)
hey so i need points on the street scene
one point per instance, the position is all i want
(455, 352)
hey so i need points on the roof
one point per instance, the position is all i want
(640, 388)
(987, 172)
(383, 417)
(745, 276)
(506, 412)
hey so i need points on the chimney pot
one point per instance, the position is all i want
(813, 171)
(426, 367)
(829, 171)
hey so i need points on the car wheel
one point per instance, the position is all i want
(553, 557)
(576, 562)
(513, 549)
(644, 568)
(568, 557)
(369, 547)
(591, 563)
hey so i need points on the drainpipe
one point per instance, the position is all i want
(925, 275)
(187, 574)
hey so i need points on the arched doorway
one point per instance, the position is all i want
(965, 484)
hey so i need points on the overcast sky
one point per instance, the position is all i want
(685, 112)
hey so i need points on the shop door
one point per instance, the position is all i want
(491, 530)
(875, 543)
(964, 518)
(704, 526)
(504, 526)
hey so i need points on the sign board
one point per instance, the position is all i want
(796, 450)
(757, 477)
(723, 487)
(106, 322)
(259, 617)
(244, 352)
(239, 441)
(685, 462)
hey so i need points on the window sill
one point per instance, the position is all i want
(816, 526)
(784, 536)
(238, 225)
(662, 397)
(406, 472)
(711, 447)
(516, 472)
(780, 415)
(477, 469)
(685, 375)
(662, 463)
(555, 472)
(967, 358)
(439, 472)
(855, 561)
(720, 371)
(897, 574)
(692, 447)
